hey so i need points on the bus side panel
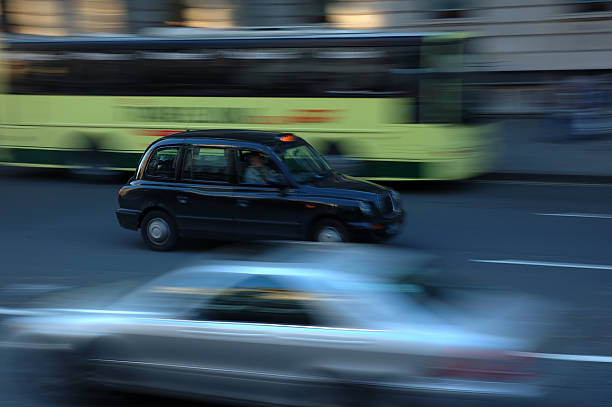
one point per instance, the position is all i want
(57, 130)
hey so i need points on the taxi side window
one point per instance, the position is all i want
(207, 164)
(162, 163)
(258, 302)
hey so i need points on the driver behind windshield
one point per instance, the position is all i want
(304, 163)
(258, 172)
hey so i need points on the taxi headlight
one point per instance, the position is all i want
(365, 208)
(396, 200)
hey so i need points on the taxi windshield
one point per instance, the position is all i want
(304, 163)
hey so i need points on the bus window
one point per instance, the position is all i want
(105, 73)
(181, 73)
(440, 88)
(325, 71)
(36, 72)
(361, 71)
(69, 73)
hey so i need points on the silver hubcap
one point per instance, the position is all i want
(158, 230)
(329, 234)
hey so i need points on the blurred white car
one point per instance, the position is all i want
(278, 328)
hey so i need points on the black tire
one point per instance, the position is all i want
(159, 231)
(336, 231)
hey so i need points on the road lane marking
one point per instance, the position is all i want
(545, 264)
(49, 311)
(32, 345)
(578, 215)
(541, 183)
(550, 356)
(17, 312)
(566, 357)
(34, 288)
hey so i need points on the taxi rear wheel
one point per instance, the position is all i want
(159, 231)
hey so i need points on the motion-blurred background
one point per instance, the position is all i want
(539, 67)
(509, 99)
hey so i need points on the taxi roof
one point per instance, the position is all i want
(267, 138)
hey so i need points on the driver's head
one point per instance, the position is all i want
(255, 159)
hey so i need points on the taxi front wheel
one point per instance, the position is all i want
(159, 231)
(330, 230)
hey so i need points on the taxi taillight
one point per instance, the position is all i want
(486, 366)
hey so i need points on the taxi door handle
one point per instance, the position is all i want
(243, 203)
(182, 199)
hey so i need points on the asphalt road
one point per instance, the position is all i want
(547, 239)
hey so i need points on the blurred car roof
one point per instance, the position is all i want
(384, 261)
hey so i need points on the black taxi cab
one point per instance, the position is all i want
(243, 184)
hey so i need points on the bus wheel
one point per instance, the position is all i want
(342, 163)
(90, 160)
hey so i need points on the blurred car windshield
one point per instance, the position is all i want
(304, 163)
(174, 293)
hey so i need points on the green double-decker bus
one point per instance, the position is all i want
(387, 105)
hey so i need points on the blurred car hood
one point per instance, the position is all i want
(338, 183)
(509, 314)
